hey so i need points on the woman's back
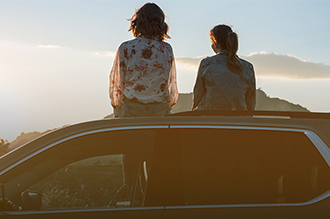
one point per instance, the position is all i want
(147, 64)
(143, 76)
(224, 81)
(218, 88)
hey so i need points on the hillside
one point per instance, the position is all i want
(264, 102)
(23, 139)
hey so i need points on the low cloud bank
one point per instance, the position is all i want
(274, 65)
(49, 46)
(188, 63)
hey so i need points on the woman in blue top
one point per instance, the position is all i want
(224, 81)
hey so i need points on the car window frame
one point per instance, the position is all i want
(71, 137)
(311, 135)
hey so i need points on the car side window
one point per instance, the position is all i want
(310, 172)
(98, 170)
(92, 182)
(233, 166)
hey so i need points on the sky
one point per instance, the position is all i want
(55, 55)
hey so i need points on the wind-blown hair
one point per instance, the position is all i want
(149, 22)
(223, 36)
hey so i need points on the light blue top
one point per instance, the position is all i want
(218, 88)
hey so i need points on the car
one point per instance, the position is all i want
(199, 164)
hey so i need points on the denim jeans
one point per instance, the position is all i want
(132, 108)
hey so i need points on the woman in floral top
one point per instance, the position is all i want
(224, 81)
(143, 76)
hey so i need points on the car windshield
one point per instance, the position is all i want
(56, 56)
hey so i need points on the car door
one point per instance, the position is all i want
(247, 172)
(104, 173)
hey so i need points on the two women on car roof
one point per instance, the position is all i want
(143, 76)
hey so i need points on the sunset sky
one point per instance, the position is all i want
(55, 56)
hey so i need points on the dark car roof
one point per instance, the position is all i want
(316, 122)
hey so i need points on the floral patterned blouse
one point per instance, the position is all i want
(143, 70)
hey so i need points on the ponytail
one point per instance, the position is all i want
(228, 40)
(233, 63)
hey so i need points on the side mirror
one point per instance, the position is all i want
(31, 200)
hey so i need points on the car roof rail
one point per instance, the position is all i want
(256, 113)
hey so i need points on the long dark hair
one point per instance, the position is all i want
(149, 21)
(223, 36)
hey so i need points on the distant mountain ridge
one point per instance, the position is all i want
(264, 102)
(24, 138)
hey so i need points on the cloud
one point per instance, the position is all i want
(273, 65)
(188, 63)
(49, 46)
(287, 66)
(105, 54)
